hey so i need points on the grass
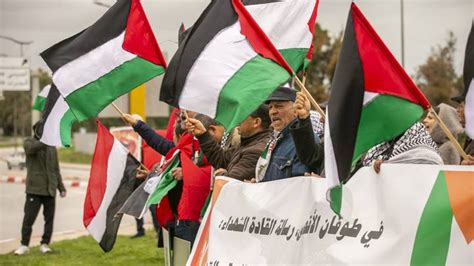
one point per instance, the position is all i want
(85, 251)
(69, 155)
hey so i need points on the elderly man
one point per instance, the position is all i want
(237, 162)
(279, 159)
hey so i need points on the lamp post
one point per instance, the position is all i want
(402, 32)
(21, 43)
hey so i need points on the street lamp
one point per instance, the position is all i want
(21, 43)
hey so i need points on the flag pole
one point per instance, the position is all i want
(449, 134)
(311, 99)
(122, 114)
(118, 109)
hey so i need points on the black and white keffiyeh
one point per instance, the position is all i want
(414, 137)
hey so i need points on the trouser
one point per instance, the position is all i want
(156, 225)
(32, 206)
(187, 230)
(140, 229)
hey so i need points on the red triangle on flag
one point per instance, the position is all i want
(382, 72)
(139, 37)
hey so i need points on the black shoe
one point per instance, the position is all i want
(137, 235)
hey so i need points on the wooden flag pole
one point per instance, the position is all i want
(118, 109)
(122, 114)
(449, 134)
(311, 99)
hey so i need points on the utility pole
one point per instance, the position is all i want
(402, 31)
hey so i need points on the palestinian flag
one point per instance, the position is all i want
(110, 58)
(40, 101)
(231, 60)
(372, 100)
(468, 74)
(111, 181)
(54, 127)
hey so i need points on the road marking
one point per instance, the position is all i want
(7, 240)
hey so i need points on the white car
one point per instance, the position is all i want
(16, 159)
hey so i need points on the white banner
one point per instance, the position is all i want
(407, 214)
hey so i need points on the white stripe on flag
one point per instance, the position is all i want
(330, 165)
(91, 66)
(115, 168)
(227, 53)
(290, 32)
(45, 91)
(52, 127)
(469, 110)
(369, 96)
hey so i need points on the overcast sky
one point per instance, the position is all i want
(427, 23)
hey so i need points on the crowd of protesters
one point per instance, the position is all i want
(282, 138)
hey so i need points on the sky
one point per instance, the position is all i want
(427, 23)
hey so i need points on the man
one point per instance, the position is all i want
(310, 152)
(188, 197)
(42, 180)
(279, 159)
(238, 162)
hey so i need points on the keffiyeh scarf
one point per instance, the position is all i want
(414, 137)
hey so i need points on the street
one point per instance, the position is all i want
(67, 170)
(67, 220)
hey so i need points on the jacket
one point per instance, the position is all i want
(43, 176)
(239, 161)
(284, 161)
(310, 152)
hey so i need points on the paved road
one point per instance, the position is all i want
(68, 216)
(66, 170)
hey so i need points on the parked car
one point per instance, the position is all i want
(16, 159)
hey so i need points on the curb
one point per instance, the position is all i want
(68, 182)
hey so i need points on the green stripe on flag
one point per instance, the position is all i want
(65, 127)
(249, 87)
(434, 230)
(40, 103)
(384, 118)
(167, 182)
(335, 195)
(89, 100)
(295, 57)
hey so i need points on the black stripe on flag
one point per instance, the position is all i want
(346, 101)
(109, 26)
(217, 16)
(468, 72)
(51, 100)
(113, 219)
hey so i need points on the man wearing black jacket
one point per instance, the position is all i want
(309, 152)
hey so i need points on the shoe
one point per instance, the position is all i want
(137, 235)
(44, 248)
(22, 250)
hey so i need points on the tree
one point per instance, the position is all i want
(436, 77)
(321, 69)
